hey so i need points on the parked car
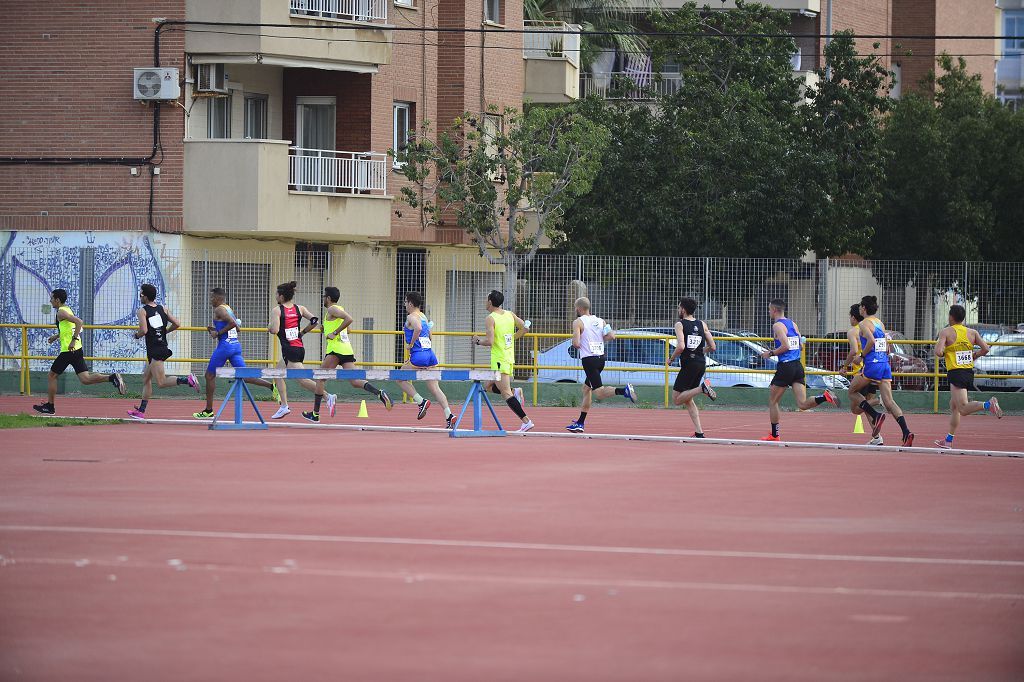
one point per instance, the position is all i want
(1006, 360)
(831, 356)
(631, 352)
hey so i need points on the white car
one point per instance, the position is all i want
(625, 351)
(1006, 360)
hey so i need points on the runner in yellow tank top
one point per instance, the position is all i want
(69, 333)
(956, 345)
(503, 328)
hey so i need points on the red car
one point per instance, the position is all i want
(831, 356)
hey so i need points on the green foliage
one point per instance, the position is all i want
(609, 19)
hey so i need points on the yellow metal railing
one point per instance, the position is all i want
(25, 382)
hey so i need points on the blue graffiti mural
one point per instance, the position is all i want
(101, 273)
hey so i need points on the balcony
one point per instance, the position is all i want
(266, 188)
(1010, 73)
(552, 53)
(788, 5)
(351, 35)
(629, 86)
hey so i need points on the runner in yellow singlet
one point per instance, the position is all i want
(956, 345)
(503, 328)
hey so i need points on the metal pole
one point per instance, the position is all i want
(828, 34)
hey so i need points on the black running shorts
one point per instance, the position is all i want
(158, 354)
(343, 359)
(962, 378)
(592, 367)
(72, 358)
(293, 353)
(691, 371)
(788, 373)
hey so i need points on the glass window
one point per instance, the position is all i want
(1013, 24)
(492, 11)
(403, 119)
(218, 118)
(255, 117)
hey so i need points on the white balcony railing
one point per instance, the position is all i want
(334, 172)
(552, 40)
(622, 85)
(351, 10)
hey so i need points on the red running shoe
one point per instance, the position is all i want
(876, 428)
(772, 438)
(908, 440)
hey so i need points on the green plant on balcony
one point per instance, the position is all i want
(610, 18)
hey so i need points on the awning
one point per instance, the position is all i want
(288, 62)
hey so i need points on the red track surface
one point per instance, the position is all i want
(149, 552)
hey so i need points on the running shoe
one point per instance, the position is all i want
(698, 435)
(311, 417)
(630, 393)
(275, 394)
(203, 414)
(385, 399)
(332, 400)
(282, 412)
(136, 414)
(876, 426)
(908, 440)
(526, 427)
(772, 438)
(831, 398)
(993, 407)
(943, 444)
(193, 382)
(877, 440)
(705, 388)
(119, 384)
(449, 422)
(43, 408)
(575, 427)
(423, 409)
(518, 393)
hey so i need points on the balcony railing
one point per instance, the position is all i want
(333, 172)
(351, 10)
(551, 40)
(622, 85)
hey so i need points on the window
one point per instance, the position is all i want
(255, 117)
(897, 81)
(405, 3)
(1013, 23)
(218, 117)
(492, 11)
(795, 60)
(403, 120)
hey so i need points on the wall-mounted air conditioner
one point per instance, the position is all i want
(156, 84)
(210, 78)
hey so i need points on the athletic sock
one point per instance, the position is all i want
(370, 388)
(447, 413)
(818, 400)
(515, 406)
(871, 412)
(143, 405)
(181, 381)
(902, 421)
(988, 405)
(775, 430)
(583, 418)
(949, 437)
(317, 399)
(620, 391)
(112, 380)
(418, 399)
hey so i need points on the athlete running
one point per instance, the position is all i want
(69, 333)
(155, 323)
(789, 373)
(692, 338)
(503, 328)
(338, 352)
(589, 334)
(285, 323)
(860, 403)
(420, 345)
(956, 344)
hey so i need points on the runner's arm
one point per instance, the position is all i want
(577, 330)
(274, 326)
(680, 344)
(175, 323)
(416, 326)
(708, 337)
(940, 344)
(979, 340)
(143, 325)
(521, 327)
(221, 314)
(851, 336)
(488, 339)
(779, 332)
(304, 312)
(342, 315)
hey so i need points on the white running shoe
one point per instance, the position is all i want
(877, 440)
(518, 393)
(282, 412)
(526, 427)
(332, 398)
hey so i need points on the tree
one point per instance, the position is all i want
(506, 180)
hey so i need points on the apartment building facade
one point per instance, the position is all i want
(1010, 69)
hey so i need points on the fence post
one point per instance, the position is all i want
(26, 385)
(935, 407)
(536, 372)
(667, 355)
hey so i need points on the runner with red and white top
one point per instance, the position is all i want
(286, 323)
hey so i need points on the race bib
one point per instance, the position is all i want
(425, 343)
(343, 336)
(291, 333)
(793, 342)
(233, 333)
(508, 340)
(597, 347)
(881, 345)
(965, 357)
(156, 322)
(693, 341)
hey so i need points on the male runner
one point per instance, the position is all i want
(692, 337)
(338, 352)
(225, 329)
(155, 323)
(503, 328)
(789, 373)
(956, 343)
(285, 323)
(421, 356)
(69, 332)
(874, 348)
(854, 366)
(589, 334)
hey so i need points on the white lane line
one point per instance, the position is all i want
(521, 546)
(409, 577)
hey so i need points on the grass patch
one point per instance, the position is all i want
(28, 421)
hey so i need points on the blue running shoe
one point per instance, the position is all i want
(630, 393)
(575, 427)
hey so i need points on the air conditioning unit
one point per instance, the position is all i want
(156, 84)
(211, 78)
